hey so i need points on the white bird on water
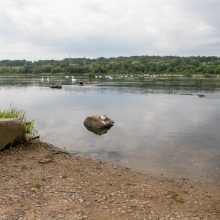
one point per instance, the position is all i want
(42, 79)
(110, 77)
(73, 79)
(48, 79)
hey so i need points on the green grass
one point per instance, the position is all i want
(29, 126)
(36, 184)
(174, 196)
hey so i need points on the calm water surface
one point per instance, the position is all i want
(161, 126)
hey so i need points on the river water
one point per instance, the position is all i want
(162, 126)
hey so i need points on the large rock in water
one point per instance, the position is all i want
(98, 124)
(11, 131)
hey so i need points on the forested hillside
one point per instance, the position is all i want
(172, 65)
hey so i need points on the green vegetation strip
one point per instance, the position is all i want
(134, 65)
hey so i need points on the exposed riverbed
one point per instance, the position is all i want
(38, 181)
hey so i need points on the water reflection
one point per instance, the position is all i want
(158, 130)
(98, 131)
(161, 85)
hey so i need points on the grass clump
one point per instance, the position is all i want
(24, 167)
(29, 126)
(36, 184)
(177, 198)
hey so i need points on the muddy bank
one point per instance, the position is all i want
(38, 181)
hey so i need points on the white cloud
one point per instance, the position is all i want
(44, 29)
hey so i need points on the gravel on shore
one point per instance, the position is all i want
(38, 181)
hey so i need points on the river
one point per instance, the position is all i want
(162, 126)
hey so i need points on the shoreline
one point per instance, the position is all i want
(40, 181)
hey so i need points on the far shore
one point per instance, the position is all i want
(39, 181)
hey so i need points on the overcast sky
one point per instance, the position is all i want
(54, 29)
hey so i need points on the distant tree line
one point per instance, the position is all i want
(158, 65)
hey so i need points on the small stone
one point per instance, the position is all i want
(81, 200)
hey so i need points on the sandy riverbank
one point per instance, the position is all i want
(38, 181)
